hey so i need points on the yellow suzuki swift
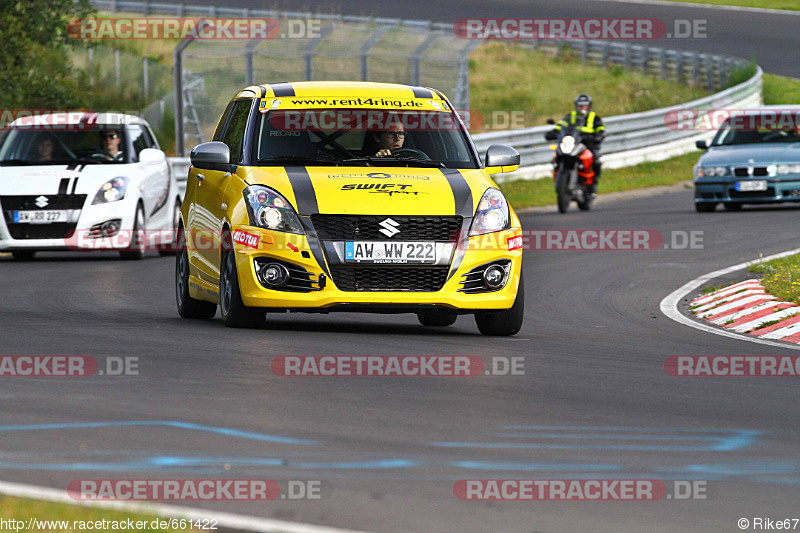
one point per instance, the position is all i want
(348, 196)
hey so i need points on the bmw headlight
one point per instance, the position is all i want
(710, 172)
(270, 210)
(492, 214)
(567, 144)
(111, 191)
(789, 169)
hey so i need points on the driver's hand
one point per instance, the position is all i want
(383, 153)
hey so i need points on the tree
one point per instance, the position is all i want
(35, 70)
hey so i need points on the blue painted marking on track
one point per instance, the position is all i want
(162, 423)
(707, 440)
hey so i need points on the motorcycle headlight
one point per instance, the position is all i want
(111, 191)
(270, 210)
(492, 214)
(567, 144)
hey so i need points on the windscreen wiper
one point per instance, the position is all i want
(10, 162)
(299, 159)
(383, 161)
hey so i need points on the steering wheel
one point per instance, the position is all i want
(100, 157)
(775, 135)
(414, 151)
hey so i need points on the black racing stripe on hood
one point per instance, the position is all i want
(63, 185)
(304, 193)
(315, 244)
(421, 92)
(462, 194)
(282, 89)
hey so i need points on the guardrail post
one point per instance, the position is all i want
(584, 51)
(696, 69)
(626, 55)
(146, 8)
(662, 60)
(116, 68)
(181, 10)
(709, 73)
(249, 68)
(645, 51)
(606, 53)
(462, 85)
(145, 79)
(679, 66)
(91, 69)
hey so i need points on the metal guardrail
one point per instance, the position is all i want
(649, 129)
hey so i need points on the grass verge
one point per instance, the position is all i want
(65, 518)
(789, 5)
(532, 193)
(781, 277)
(779, 90)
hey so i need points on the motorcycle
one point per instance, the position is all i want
(572, 169)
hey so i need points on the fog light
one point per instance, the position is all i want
(274, 274)
(494, 276)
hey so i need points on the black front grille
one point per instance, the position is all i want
(59, 230)
(366, 227)
(415, 279)
(742, 172)
(753, 194)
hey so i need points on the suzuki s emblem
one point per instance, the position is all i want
(41, 201)
(389, 227)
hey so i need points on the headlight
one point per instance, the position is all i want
(567, 144)
(789, 169)
(270, 210)
(492, 214)
(111, 191)
(710, 172)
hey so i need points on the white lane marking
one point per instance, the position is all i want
(226, 520)
(669, 305)
(791, 329)
(730, 298)
(725, 292)
(749, 311)
(736, 303)
(708, 6)
(753, 324)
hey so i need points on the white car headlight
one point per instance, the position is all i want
(789, 169)
(111, 191)
(710, 172)
(492, 213)
(270, 210)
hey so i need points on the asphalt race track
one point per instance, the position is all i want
(595, 400)
(772, 39)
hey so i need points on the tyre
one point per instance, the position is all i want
(172, 248)
(588, 199)
(562, 191)
(504, 323)
(137, 249)
(234, 313)
(189, 307)
(732, 206)
(23, 255)
(702, 207)
(437, 319)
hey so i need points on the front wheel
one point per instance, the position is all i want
(504, 323)
(234, 313)
(136, 250)
(171, 248)
(562, 191)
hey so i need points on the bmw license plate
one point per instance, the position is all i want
(39, 217)
(754, 185)
(389, 252)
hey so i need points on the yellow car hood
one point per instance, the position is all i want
(375, 190)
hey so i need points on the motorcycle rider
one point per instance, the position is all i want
(591, 127)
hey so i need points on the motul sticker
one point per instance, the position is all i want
(514, 243)
(248, 239)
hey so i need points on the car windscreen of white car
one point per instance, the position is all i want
(100, 145)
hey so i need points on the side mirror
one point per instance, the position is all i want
(701, 144)
(151, 156)
(501, 158)
(551, 121)
(213, 155)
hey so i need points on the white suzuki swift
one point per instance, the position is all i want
(83, 181)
